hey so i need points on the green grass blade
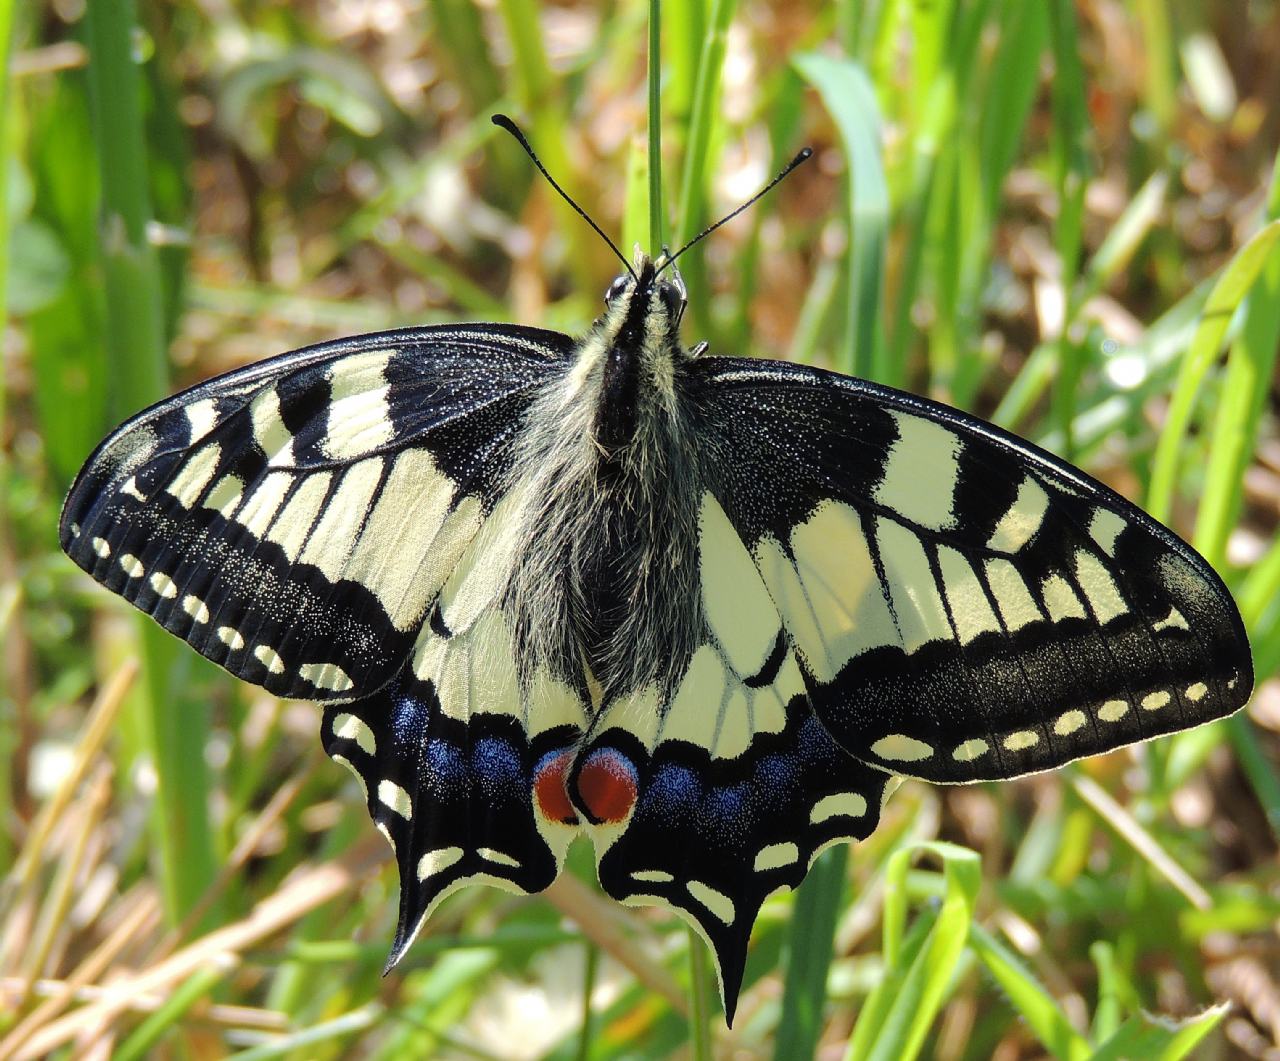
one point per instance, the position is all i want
(1158, 47)
(6, 158)
(657, 225)
(637, 215)
(537, 91)
(1233, 284)
(850, 99)
(1250, 367)
(919, 995)
(136, 351)
(325, 1033)
(1036, 1006)
(703, 121)
(135, 324)
(1157, 1039)
(700, 994)
(171, 1011)
(1071, 177)
(810, 940)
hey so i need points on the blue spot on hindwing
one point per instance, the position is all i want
(498, 767)
(672, 793)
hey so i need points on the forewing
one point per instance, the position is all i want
(294, 520)
(963, 604)
(711, 798)
(464, 765)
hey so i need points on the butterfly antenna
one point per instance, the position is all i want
(503, 122)
(803, 156)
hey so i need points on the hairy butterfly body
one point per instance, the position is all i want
(698, 608)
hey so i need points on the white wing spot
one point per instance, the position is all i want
(395, 797)
(841, 804)
(1069, 722)
(351, 766)
(1195, 693)
(652, 876)
(970, 750)
(970, 611)
(717, 902)
(230, 636)
(1155, 701)
(1173, 621)
(263, 503)
(225, 495)
(901, 748)
(1105, 528)
(202, 417)
(500, 858)
(1020, 523)
(359, 419)
(269, 429)
(1113, 710)
(1021, 739)
(269, 658)
(326, 676)
(163, 585)
(102, 547)
(1060, 599)
(292, 525)
(132, 565)
(736, 604)
(1099, 587)
(195, 607)
(187, 486)
(130, 487)
(438, 861)
(920, 473)
(348, 727)
(775, 856)
(1013, 598)
(832, 599)
(916, 601)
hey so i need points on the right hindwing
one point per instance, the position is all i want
(293, 521)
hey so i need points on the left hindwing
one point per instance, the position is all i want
(963, 604)
(294, 520)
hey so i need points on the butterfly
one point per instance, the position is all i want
(700, 609)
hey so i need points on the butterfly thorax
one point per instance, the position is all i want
(605, 577)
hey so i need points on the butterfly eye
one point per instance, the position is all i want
(616, 289)
(672, 299)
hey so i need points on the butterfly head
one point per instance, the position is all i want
(646, 293)
(634, 349)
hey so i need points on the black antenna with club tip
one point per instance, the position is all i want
(803, 156)
(503, 122)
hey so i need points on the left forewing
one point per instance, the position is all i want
(293, 520)
(963, 605)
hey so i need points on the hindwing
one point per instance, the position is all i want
(464, 759)
(963, 605)
(723, 790)
(293, 521)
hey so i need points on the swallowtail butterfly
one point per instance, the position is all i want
(699, 608)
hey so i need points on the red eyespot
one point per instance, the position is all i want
(551, 787)
(607, 786)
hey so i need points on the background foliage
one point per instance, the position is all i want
(1055, 214)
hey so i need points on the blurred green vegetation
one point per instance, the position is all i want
(1055, 214)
